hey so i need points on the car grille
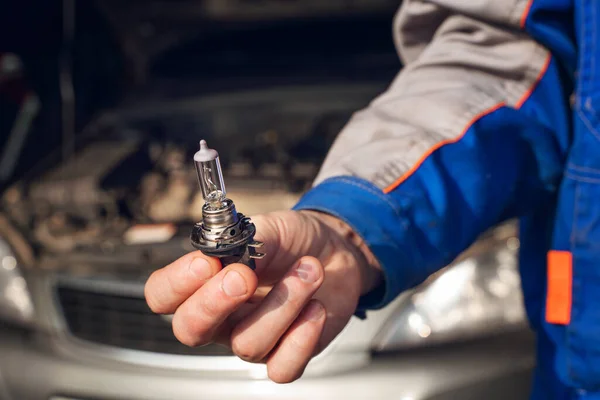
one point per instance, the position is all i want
(124, 322)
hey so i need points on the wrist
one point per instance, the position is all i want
(342, 234)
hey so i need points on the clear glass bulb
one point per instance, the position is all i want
(210, 176)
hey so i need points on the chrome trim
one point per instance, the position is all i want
(88, 350)
(103, 285)
(62, 398)
(328, 362)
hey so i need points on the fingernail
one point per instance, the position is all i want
(200, 268)
(234, 285)
(307, 272)
(315, 312)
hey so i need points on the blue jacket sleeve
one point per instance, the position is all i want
(456, 145)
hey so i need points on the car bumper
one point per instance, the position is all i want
(495, 368)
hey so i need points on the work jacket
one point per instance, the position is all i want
(495, 115)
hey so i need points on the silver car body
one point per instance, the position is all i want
(51, 363)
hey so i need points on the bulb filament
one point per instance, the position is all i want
(214, 197)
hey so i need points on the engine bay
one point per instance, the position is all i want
(112, 186)
(108, 177)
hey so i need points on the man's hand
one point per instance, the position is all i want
(303, 293)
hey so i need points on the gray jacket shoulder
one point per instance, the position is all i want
(461, 57)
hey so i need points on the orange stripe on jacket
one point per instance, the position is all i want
(525, 14)
(529, 92)
(429, 152)
(482, 114)
(559, 294)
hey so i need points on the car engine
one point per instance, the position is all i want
(111, 188)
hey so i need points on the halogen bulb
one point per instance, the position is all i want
(210, 176)
(222, 232)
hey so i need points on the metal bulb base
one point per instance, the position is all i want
(226, 234)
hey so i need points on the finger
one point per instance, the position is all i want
(223, 334)
(198, 318)
(257, 334)
(298, 346)
(286, 236)
(170, 286)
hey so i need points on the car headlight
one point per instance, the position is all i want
(15, 302)
(477, 295)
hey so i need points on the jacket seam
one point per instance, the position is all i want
(580, 168)
(579, 178)
(568, 329)
(594, 48)
(588, 123)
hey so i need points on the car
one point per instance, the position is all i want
(82, 228)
